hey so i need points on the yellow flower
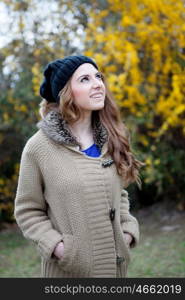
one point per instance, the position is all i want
(148, 161)
(157, 161)
(5, 116)
(153, 148)
(148, 78)
(144, 140)
(2, 181)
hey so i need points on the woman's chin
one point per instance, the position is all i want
(98, 106)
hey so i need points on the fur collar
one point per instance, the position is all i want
(56, 128)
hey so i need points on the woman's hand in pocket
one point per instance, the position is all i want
(59, 250)
(128, 238)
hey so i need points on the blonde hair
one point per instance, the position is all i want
(119, 146)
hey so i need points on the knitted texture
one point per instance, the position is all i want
(65, 195)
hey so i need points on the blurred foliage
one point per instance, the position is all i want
(139, 46)
(32, 44)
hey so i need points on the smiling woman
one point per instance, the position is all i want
(71, 198)
(88, 92)
(87, 87)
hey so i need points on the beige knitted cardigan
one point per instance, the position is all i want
(65, 195)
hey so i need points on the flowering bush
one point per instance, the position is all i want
(140, 46)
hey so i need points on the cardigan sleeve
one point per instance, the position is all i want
(30, 206)
(128, 222)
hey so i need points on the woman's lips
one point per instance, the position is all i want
(97, 95)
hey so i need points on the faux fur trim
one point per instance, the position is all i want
(56, 128)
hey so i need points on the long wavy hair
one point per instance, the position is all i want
(119, 146)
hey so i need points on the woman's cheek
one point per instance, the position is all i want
(77, 93)
(80, 94)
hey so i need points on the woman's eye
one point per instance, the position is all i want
(99, 76)
(84, 78)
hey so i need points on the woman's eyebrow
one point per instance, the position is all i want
(88, 75)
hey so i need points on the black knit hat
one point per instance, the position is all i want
(58, 72)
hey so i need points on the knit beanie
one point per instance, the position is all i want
(58, 72)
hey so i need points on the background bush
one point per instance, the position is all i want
(140, 47)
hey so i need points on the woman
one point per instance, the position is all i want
(70, 198)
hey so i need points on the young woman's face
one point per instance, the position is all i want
(88, 89)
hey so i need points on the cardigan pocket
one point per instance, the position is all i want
(73, 260)
(123, 254)
(126, 248)
(122, 266)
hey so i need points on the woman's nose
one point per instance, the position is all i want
(96, 83)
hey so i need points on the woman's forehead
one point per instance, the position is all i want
(84, 69)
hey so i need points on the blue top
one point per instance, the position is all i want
(93, 151)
